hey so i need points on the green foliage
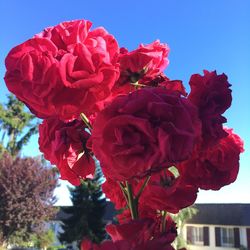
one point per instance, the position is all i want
(85, 216)
(21, 239)
(43, 240)
(16, 125)
(181, 218)
(243, 248)
(56, 247)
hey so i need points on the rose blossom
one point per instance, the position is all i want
(125, 245)
(135, 235)
(63, 144)
(146, 61)
(141, 65)
(211, 93)
(141, 234)
(174, 85)
(168, 193)
(139, 133)
(32, 74)
(63, 71)
(216, 166)
(135, 231)
(112, 191)
(86, 244)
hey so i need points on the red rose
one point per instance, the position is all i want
(174, 85)
(170, 230)
(110, 245)
(216, 166)
(112, 191)
(156, 243)
(87, 244)
(136, 231)
(167, 192)
(125, 245)
(211, 93)
(147, 61)
(143, 131)
(142, 65)
(135, 235)
(140, 235)
(33, 74)
(62, 62)
(67, 34)
(63, 144)
(106, 245)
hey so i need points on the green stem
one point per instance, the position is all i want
(124, 191)
(131, 201)
(145, 183)
(86, 121)
(163, 221)
(137, 85)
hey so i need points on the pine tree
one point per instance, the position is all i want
(16, 125)
(85, 217)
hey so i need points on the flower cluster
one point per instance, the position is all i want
(156, 144)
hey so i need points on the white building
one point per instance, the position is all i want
(219, 227)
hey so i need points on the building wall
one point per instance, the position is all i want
(212, 238)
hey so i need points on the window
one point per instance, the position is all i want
(227, 237)
(198, 235)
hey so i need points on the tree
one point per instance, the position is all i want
(85, 217)
(16, 125)
(44, 239)
(26, 196)
(181, 218)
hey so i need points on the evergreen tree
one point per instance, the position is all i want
(85, 217)
(16, 125)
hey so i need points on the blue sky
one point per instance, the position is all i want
(208, 34)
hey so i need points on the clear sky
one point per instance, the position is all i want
(207, 34)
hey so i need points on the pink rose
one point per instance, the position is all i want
(142, 65)
(65, 70)
(147, 61)
(33, 74)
